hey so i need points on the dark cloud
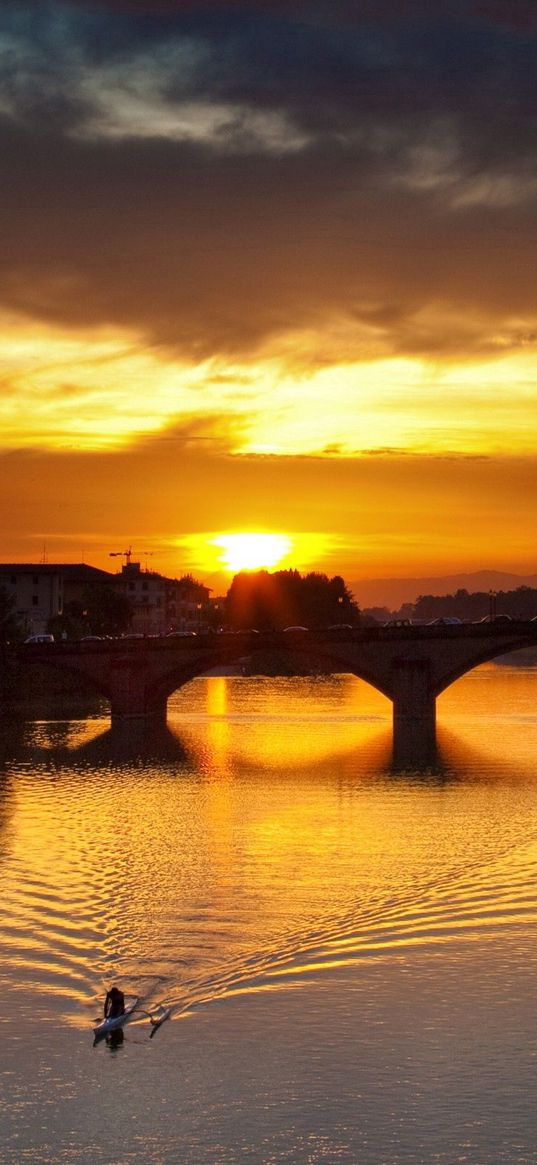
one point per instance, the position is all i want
(215, 256)
(517, 13)
(373, 164)
(520, 14)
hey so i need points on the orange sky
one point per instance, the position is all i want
(269, 270)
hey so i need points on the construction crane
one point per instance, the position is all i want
(127, 555)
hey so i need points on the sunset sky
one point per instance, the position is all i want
(269, 267)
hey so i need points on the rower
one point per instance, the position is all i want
(114, 1003)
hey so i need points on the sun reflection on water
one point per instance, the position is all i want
(261, 838)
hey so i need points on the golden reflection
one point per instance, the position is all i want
(480, 703)
(282, 849)
(217, 696)
(218, 726)
(70, 734)
(214, 755)
(274, 727)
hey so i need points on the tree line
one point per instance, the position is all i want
(264, 601)
(470, 606)
(272, 601)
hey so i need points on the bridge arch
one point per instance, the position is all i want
(483, 654)
(364, 663)
(180, 674)
(328, 661)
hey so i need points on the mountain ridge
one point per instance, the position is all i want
(392, 592)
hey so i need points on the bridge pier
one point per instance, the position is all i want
(131, 697)
(414, 713)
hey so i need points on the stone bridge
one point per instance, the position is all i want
(409, 665)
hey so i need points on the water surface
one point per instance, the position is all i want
(348, 950)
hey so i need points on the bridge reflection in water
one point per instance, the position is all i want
(409, 665)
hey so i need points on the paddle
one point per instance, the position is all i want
(156, 1023)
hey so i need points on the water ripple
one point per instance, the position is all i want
(277, 849)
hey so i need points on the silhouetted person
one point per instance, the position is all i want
(114, 1003)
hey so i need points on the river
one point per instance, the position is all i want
(349, 951)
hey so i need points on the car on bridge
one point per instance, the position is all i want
(496, 619)
(445, 621)
(40, 639)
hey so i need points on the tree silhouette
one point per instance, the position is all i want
(258, 599)
(10, 626)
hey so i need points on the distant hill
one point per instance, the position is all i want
(392, 592)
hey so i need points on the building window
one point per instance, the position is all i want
(13, 579)
(35, 600)
(144, 586)
(35, 581)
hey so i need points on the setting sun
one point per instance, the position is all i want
(252, 551)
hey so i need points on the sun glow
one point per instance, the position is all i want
(252, 551)
(57, 384)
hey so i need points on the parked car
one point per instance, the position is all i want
(398, 623)
(180, 634)
(445, 621)
(296, 628)
(496, 619)
(40, 639)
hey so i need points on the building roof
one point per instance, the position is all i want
(81, 572)
(76, 571)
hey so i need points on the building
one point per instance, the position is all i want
(187, 604)
(161, 604)
(146, 592)
(41, 590)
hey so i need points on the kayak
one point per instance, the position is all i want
(115, 1021)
